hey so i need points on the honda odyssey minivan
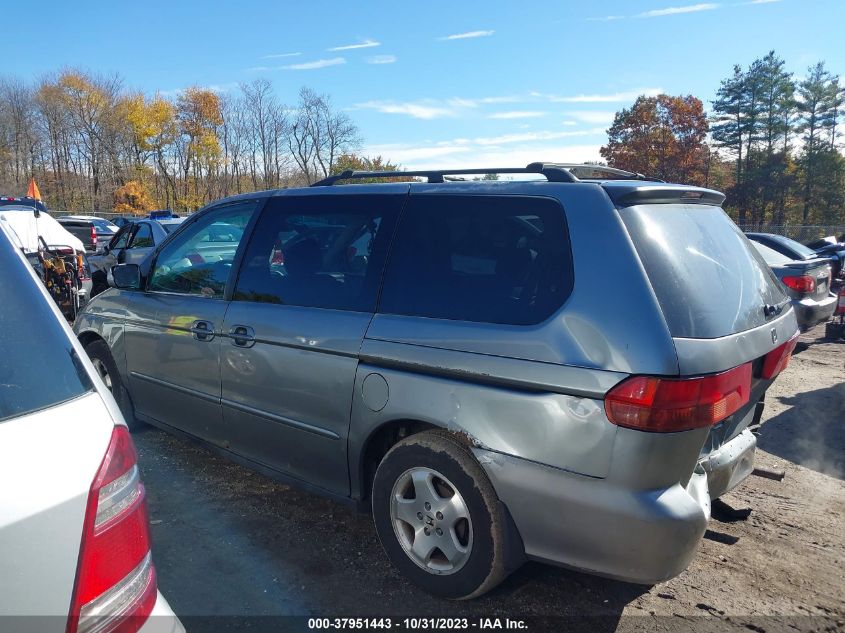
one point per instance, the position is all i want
(560, 368)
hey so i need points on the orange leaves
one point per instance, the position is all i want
(133, 197)
(662, 136)
(198, 111)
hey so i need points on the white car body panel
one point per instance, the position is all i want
(48, 460)
(25, 229)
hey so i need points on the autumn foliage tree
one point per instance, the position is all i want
(133, 197)
(662, 137)
(94, 146)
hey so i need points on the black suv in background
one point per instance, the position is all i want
(94, 232)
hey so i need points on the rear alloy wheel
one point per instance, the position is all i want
(431, 521)
(438, 517)
(103, 362)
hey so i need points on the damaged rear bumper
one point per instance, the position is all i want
(590, 524)
(602, 527)
(730, 464)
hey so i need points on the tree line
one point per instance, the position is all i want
(771, 142)
(93, 145)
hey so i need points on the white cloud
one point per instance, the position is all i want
(418, 110)
(381, 59)
(762, 1)
(508, 139)
(348, 47)
(320, 63)
(467, 157)
(595, 117)
(690, 8)
(517, 114)
(502, 99)
(468, 35)
(615, 97)
(223, 87)
(405, 154)
(258, 69)
(607, 18)
(281, 55)
(505, 150)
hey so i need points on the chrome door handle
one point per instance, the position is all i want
(202, 330)
(242, 336)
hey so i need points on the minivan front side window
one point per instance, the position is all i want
(317, 252)
(199, 260)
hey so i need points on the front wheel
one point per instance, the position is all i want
(438, 516)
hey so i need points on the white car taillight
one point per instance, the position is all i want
(115, 588)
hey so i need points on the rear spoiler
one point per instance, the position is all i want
(627, 193)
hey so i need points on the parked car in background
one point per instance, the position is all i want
(794, 250)
(94, 232)
(57, 256)
(448, 354)
(835, 250)
(121, 220)
(131, 244)
(807, 282)
(162, 214)
(74, 535)
(170, 224)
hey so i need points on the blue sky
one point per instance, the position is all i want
(437, 83)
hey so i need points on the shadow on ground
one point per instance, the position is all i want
(233, 547)
(811, 432)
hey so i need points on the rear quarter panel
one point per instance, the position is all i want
(48, 461)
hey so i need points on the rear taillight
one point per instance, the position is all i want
(648, 403)
(840, 305)
(94, 235)
(803, 283)
(777, 360)
(115, 587)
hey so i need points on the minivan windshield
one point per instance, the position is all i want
(709, 280)
(39, 367)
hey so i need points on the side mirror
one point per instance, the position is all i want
(127, 276)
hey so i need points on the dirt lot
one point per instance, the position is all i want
(228, 542)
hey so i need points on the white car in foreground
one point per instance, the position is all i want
(74, 532)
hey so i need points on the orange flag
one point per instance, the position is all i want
(32, 190)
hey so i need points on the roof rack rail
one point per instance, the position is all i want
(586, 171)
(552, 172)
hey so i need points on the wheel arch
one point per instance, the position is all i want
(380, 440)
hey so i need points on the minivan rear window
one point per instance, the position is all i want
(709, 280)
(490, 259)
(39, 367)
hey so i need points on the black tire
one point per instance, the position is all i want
(100, 354)
(485, 566)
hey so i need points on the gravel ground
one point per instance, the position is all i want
(230, 542)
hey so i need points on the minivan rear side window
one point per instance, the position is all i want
(493, 259)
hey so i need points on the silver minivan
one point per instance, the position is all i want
(75, 551)
(560, 368)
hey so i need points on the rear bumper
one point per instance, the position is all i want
(810, 312)
(162, 619)
(641, 536)
(730, 464)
